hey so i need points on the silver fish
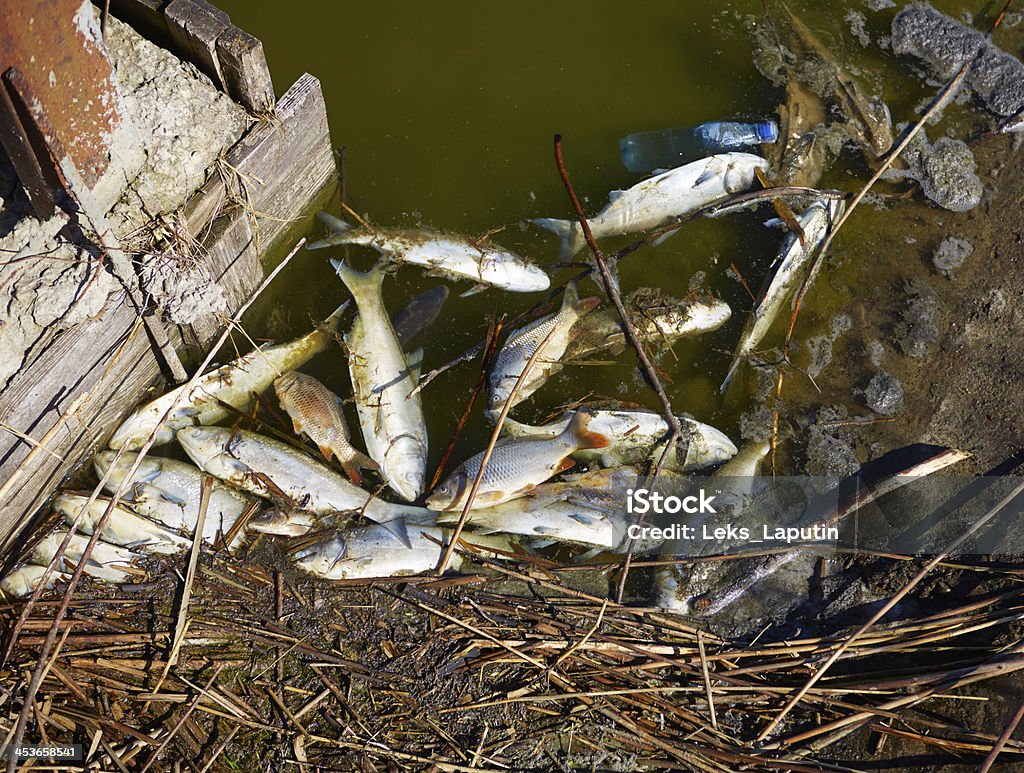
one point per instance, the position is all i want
(520, 347)
(419, 314)
(636, 438)
(785, 277)
(390, 414)
(123, 527)
(168, 491)
(451, 255)
(372, 551)
(654, 201)
(515, 467)
(578, 520)
(231, 384)
(270, 468)
(26, 578)
(106, 562)
(656, 322)
(316, 412)
(282, 521)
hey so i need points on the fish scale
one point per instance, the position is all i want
(515, 467)
(316, 412)
(521, 345)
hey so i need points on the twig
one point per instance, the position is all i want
(707, 678)
(490, 348)
(650, 372)
(442, 565)
(940, 101)
(990, 760)
(190, 574)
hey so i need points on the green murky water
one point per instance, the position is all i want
(447, 113)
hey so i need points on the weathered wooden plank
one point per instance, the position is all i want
(145, 16)
(195, 26)
(285, 163)
(279, 161)
(245, 71)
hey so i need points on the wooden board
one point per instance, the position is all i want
(199, 32)
(286, 163)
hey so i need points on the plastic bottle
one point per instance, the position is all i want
(668, 148)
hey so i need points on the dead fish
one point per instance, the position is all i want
(515, 467)
(636, 438)
(168, 491)
(450, 255)
(578, 520)
(383, 382)
(270, 468)
(787, 273)
(282, 522)
(654, 201)
(520, 347)
(372, 551)
(106, 562)
(24, 580)
(231, 384)
(662, 322)
(316, 412)
(123, 527)
(733, 485)
(419, 314)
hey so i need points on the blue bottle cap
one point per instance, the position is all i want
(767, 131)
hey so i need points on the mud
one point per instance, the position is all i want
(50, 283)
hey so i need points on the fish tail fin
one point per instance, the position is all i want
(582, 436)
(572, 300)
(335, 224)
(362, 286)
(340, 232)
(333, 321)
(568, 232)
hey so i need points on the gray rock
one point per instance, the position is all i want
(919, 325)
(884, 394)
(945, 45)
(951, 253)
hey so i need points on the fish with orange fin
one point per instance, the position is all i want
(516, 467)
(315, 411)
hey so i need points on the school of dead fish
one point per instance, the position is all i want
(346, 526)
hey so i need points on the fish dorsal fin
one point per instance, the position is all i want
(614, 195)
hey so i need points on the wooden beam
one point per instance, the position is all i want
(244, 68)
(285, 163)
(195, 26)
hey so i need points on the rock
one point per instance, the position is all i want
(884, 394)
(945, 45)
(829, 453)
(919, 325)
(951, 253)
